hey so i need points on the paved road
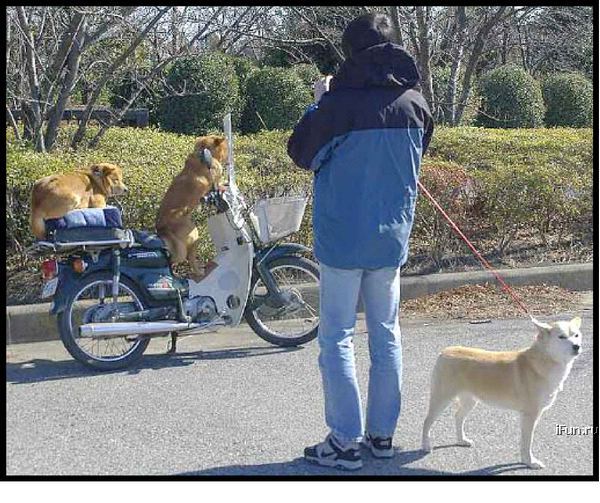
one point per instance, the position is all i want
(231, 404)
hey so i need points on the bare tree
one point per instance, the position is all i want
(156, 70)
(491, 17)
(52, 53)
(109, 73)
(31, 68)
(47, 45)
(457, 54)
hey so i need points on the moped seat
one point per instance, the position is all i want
(148, 240)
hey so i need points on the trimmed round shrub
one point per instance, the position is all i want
(309, 73)
(569, 99)
(243, 68)
(277, 97)
(511, 98)
(202, 90)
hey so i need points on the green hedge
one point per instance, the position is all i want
(308, 73)
(202, 90)
(511, 98)
(492, 181)
(278, 96)
(569, 99)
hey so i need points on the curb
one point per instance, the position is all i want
(33, 323)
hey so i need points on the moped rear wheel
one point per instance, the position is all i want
(92, 302)
(296, 322)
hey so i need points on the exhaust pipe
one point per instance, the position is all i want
(109, 330)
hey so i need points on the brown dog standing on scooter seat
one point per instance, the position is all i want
(55, 195)
(174, 223)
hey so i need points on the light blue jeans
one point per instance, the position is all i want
(339, 294)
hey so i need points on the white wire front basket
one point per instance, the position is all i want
(277, 217)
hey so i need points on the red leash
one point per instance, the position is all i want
(486, 264)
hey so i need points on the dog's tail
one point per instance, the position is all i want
(38, 227)
(36, 220)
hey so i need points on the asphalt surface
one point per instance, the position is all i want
(230, 404)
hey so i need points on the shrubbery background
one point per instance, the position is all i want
(198, 90)
(495, 182)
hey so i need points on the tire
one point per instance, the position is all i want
(69, 339)
(251, 312)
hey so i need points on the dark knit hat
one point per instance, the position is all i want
(366, 31)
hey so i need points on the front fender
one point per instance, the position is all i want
(279, 251)
(262, 259)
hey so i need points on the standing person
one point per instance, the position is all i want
(364, 139)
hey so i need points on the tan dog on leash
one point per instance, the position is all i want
(526, 381)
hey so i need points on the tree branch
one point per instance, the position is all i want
(78, 136)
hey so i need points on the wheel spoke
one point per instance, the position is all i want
(291, 280)
(91, 297)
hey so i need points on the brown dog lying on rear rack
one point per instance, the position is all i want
(55, 195)
(174, 223)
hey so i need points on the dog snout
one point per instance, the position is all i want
(576, 349)
(118, 190)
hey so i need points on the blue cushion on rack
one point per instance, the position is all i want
(109, 217)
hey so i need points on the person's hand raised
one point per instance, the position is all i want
(321, 86)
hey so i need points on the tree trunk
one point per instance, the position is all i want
(424, 56)
(395, 16)
(13, 123)
(478, 47)
(504, 52)
(72, 64)
(28, 121)
(449, 105)
(34, 84)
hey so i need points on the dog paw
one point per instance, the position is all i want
(426, 446)
(535, 464)
(465, 442)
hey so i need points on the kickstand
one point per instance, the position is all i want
(172, 345)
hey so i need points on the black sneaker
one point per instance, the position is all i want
(381, 447)
(330, 453)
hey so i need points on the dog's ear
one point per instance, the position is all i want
(207, 156)
(543, 328)
(576, 323)
(220, 148)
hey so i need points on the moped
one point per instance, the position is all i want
(114, 289)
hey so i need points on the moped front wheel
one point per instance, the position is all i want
(295, 322)
(92, 302)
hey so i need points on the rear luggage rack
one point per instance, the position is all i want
(45, 247)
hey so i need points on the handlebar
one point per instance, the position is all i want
(215, 198)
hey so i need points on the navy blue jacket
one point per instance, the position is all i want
(364, 141)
